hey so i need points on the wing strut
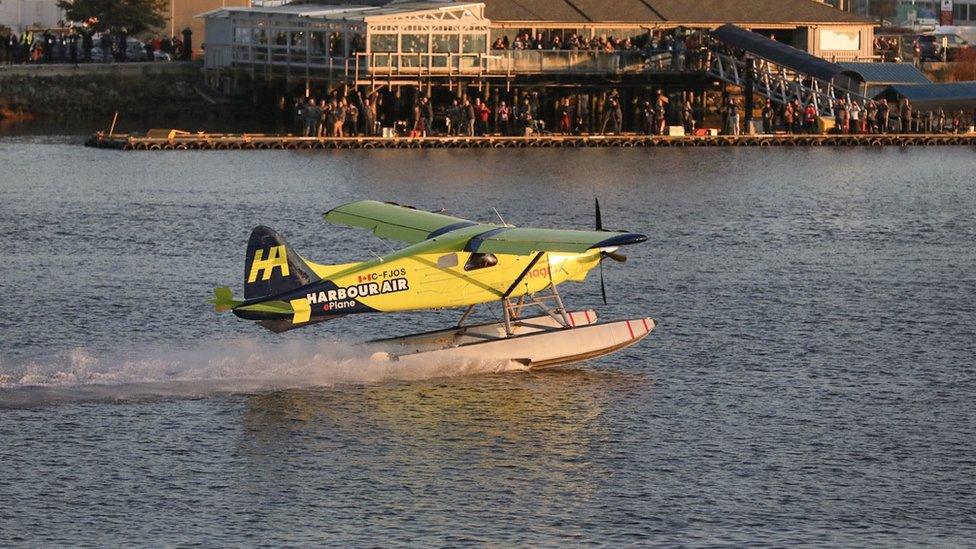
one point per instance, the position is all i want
(518, 280)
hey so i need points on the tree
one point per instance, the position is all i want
(134, 15)
(884, 9)
(964, 68)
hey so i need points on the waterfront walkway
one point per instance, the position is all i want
(201, 141)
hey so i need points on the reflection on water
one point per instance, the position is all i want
(518, 445)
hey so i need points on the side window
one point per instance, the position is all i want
(480, 261)
(447, 261)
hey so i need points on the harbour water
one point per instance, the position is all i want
(811, 380)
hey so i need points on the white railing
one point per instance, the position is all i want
(496, 63)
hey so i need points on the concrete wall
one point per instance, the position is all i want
(20, 14)
(132, 89)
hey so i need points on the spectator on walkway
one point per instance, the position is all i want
(468, 116)
(906, 116)
(810, 118)
(503, 118)
(482, 114)
(884, 116)
(789, 117)
(311, 114)
(454, 118)
(352, 119)
(767, 117)
(734, 117)
(871, 117)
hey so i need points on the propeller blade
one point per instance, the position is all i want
(599, 218)
(603, 287)
(619, 258)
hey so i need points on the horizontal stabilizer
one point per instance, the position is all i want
(223, 299)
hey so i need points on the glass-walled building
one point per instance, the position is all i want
(419, 37)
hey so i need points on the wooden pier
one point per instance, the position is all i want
(209, 141)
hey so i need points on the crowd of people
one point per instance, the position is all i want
(80, 45)
(874, 117)
(337, 116)
(685, 49)
(525, 113)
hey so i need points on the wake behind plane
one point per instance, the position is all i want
(448, 263)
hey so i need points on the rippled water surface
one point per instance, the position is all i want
(811, 380)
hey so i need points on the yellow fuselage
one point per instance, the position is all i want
(440, 280)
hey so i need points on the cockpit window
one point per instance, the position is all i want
(480, 261)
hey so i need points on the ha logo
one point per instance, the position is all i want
(277, 257)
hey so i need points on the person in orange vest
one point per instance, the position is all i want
(810, 118)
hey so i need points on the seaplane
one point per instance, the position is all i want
(448, 263)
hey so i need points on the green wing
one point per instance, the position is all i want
(524, 241)
(414, 226)
(393, 221)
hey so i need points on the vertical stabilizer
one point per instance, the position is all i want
(271, 267)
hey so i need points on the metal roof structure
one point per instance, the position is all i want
(350, 12)
(887, 73)
(946, 95)
(686, 12)
(783, 55)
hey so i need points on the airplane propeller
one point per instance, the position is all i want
(619, 258)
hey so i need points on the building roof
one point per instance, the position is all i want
(669, 11)
(345, 12)
(887, 73)
(781, 54)
(934, 93)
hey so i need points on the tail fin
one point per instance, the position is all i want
(271, 267)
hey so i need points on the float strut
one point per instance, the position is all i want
(464, 316)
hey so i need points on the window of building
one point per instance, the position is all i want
(383, 43)
(242, 35)
(413, 43)
(445, 43)
(839, 40)
(474, 43)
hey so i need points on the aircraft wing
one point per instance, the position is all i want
(393, 221)
(524, 241)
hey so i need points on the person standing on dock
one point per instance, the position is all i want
(810, 118)
(483, 113)
(340, 119)
(503, 118)
(565, 125)
(734, 117)
(468, 117)
(767, 117)
(311, 115)
(454, 118)
(884, 116)
(326, 118)
(855, 111)
(352, 117)
(871, 117)
(906, 116)
(789, 117)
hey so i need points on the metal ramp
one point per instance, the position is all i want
(781, 73)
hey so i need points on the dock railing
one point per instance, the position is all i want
(497, 63)
(510, 63)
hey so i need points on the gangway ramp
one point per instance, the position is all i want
(781, 72)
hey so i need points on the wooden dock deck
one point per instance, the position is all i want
(204, 141)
